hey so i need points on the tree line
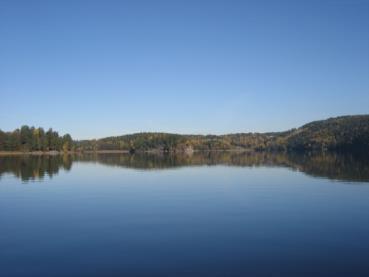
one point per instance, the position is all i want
(28, 139)
(340, 133)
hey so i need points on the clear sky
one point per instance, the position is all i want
(99, 68)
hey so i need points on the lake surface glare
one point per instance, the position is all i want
(206, 214)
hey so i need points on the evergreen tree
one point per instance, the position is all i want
(67, 143)
(2, 140)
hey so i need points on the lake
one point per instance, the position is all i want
(205, 214)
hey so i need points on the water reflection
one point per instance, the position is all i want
(337, 166)
(35, 167)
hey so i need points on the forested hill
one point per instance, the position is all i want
(346, 132)
(340, 133)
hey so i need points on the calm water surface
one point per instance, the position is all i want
(210, 214)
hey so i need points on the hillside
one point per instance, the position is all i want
(345, 132)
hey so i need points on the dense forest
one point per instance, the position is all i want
(345, 132)
(340, 133)
(28, 139)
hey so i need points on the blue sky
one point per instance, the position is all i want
(99, 68)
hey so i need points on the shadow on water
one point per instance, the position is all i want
(336, 166)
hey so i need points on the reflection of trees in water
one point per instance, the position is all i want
(340, 166)
(337, 166)
(32, 167)
(333, 165)
(162, 160)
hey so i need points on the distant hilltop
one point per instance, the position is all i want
(339, 133)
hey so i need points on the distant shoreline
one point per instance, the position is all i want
(56, 153)
(344, 133)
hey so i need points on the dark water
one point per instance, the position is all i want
(210, 214)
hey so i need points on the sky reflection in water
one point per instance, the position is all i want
(243, 215)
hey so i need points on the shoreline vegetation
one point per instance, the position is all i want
(346, 133)
(56, 153)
